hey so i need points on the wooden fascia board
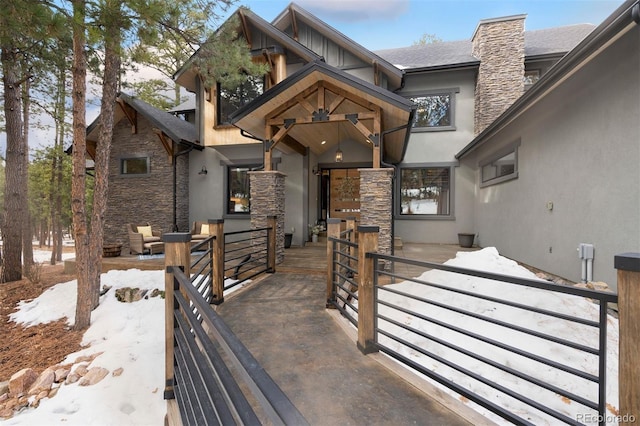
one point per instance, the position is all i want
(130, 113)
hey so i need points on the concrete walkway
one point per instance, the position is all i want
(283, 321)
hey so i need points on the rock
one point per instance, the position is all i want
(61, 374)
(93, 376)
(117, 372)
(81, 369)
(6, 413)
(87, 358)
(36, 401)
(4, 387)
(53, 392)
(72, 378)
(43, 382)
(128, 294)
(20, 381)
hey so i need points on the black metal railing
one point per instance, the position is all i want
(206, 364)
(202, 267)
(476, 343)
(246, 255)
(345, 269)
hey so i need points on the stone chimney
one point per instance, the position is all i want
(499, 45)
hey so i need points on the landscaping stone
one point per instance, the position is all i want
(21, 381)
(93, 376)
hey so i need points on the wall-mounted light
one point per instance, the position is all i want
(339, 151)
(203, 171)
(315, 170)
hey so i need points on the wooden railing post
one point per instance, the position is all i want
(177, 252)
(367, 243)
(353, 236)
(333, 231)
(216, 228)
(272, 221)
(628, 266)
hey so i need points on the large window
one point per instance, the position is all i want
(425, 191)
(500, 167)
(238, 189)
(434, 111)
(231, 99)
(134, 166)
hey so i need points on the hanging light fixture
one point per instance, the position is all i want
(339, 151)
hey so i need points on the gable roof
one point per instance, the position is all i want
(248, 20)
(178, 130)
(398, 112)
(622, 20)
(456, 54)
(294, 13)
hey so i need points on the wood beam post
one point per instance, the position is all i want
(216, 228)
(367, 243)
(272, 224)
(177, 253)
(333, 231)
(628, 266)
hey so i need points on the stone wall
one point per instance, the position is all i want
(267, 199)
(144, 198)
(375, 204)
(499, 45)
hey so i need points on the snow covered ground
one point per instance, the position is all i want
(131, 336)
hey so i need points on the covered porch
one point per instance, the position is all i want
(321, 112)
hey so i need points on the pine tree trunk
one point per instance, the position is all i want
(14, 205)
(78, 184)
(103, 151)
(27, 231)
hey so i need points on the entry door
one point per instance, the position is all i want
(344, 193)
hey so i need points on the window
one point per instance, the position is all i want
(134, 166)
(231, 99)
(435, 111)
(530, 77)
(500, 167)
(238, 189)
(425, 191)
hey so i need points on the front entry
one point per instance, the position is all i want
(340, 193)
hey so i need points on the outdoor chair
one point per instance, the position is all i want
(200, 231)
(143, 239)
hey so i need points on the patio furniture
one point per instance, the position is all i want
(143, 239)
(200, 231)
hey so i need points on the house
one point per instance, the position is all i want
(528, 139)
(148, 169)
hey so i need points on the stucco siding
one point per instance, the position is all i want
(585, 163)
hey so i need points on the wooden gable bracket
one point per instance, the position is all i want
(272, 67)
(245, 28)
(167, 143)
(294, 23)
(131, 114)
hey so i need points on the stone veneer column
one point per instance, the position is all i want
(267, 199)
(376, 186)
(499, 45)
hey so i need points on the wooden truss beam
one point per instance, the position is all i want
(167, 143)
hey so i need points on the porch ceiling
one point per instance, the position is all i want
(320, 103)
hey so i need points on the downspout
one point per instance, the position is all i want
(175, 183)
(264, 147)
(393, 178)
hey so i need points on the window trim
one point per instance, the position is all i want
(451, 91)
(122, 159)
(218, 122)
(513, 147)
(398, 191)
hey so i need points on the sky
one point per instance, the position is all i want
(130, 336)
(384, 24)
